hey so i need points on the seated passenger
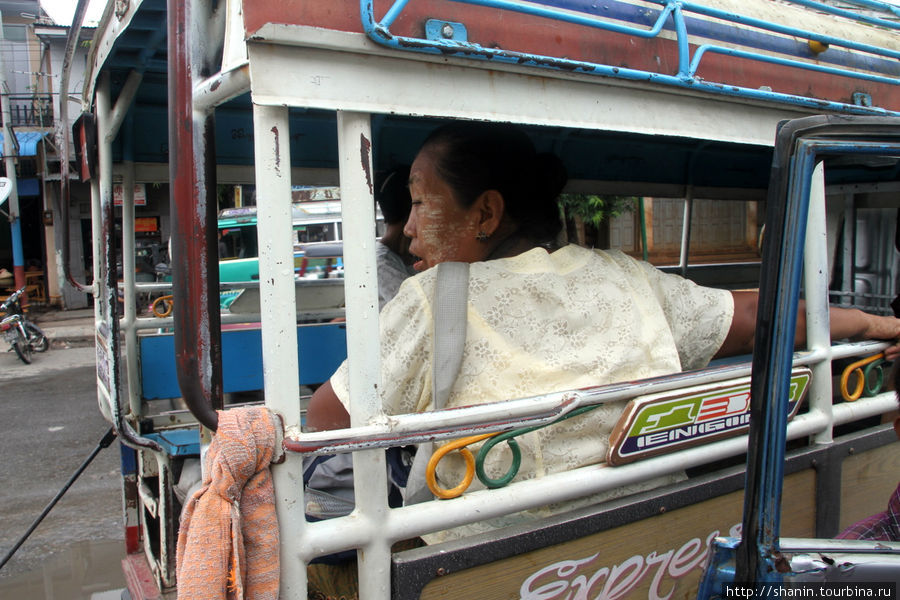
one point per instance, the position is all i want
(541, 318)
(883, 526)
(392, 252)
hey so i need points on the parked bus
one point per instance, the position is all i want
(317, 250)
(317, 220)
(655, 99)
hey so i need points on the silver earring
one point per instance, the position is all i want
(482, 236)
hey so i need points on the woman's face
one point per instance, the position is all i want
(439, 228)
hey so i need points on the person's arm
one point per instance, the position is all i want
(326, 411)
(848, 323)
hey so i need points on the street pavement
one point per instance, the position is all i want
(67, 327)
(71, 330)
(49, 425)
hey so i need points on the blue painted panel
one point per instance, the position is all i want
(28, 187)
(326, 349)
(128, 460)
(178, 442)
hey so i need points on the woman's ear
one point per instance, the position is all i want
(491, 207)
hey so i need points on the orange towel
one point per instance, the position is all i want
(228, 540)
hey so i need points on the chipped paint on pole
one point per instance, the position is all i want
(198, 348)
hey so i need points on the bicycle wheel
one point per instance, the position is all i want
(22, 347)
(37, 338)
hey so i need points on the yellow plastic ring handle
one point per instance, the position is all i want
(440, 453)
(167, 304)
(860, 377)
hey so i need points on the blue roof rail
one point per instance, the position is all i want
(758, 40)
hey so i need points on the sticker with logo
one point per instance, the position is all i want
(669, 421)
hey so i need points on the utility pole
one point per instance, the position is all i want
(10, 162)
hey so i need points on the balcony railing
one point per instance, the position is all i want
(31, 111)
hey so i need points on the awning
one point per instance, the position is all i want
(27, 140)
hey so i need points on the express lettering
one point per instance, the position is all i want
(581, 579)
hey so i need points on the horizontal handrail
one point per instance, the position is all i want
(785, 62)
(843, 12)
(400, 430)
(788, 30)
(342, 533)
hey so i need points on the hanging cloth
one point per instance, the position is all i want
(228, 539)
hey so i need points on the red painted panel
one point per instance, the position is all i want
(139, 578)
(133, 539)
(494, 28)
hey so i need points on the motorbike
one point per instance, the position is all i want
(23, 336)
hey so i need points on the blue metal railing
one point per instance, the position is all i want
(849, 58)
(871, 4)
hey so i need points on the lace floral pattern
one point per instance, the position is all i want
(542, 322)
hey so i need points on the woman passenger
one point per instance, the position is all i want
(540, 318)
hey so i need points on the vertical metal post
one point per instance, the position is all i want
(106, 301)
(686, 231)
(818, 334)
(107, 298)
(278, 314)
(361, 280)
(10, 162)
(278, 307)
(128, 249)
(849, 252)
(363, 341)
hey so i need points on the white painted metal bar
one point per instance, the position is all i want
(112, 123)
(536, 410)
(123, 102)
(363, 343)
(234, 49)
(103, 399)
(491, 92)
(222, 87)
(849, 252)
(127, 322)
(279, 327)
(276, 260)
(410, 521)
(815, 283)
(686, 230)
(360, 275)
(100, 185)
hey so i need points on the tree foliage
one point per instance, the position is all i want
(594, 209)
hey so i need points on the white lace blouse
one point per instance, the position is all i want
(542, 322)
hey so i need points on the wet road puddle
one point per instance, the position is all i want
(85, 571)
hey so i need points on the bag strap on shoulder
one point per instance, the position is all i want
(451, 294)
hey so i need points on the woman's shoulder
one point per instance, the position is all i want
(565, 260)
(576, 256)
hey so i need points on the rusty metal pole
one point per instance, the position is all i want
(195, 273)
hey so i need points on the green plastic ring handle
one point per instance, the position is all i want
(871, 390)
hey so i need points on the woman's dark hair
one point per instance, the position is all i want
(473, 157)
(392, 194)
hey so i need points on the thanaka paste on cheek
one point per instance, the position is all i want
(436, 242)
